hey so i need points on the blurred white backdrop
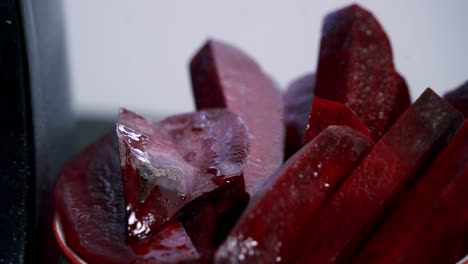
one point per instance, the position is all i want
(135, 53)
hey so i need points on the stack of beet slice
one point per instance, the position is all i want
(369, 177)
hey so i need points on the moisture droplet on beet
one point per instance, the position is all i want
(356, 68)
(326, 113)
(168, 164)
(224, 76)
(270, 227)
(297, 105)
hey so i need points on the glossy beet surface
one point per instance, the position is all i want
(400, 229)
(297, 105)
(356, 68)
(326, 113)
(90, 202)
(458, 98)
(345, 221)
(269, 229)
(223, 76)
(167, 164)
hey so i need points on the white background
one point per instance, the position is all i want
(135, 53)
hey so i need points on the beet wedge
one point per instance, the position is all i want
(326, 113)
(89, 198)
(399, 230)
(297, 107)
(458, 98)
(345, 221)
(169, 164)
(223, 76)
(269, 229)
(442, 237)
(356, 68)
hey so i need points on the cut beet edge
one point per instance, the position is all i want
(269, 229)
(326, 113)
(458, 98)
(170, 163)
(223, 76)
(209, 218)
(345, 221)
(396, 234)
(297, 105)
(356, 68)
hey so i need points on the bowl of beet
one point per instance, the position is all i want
(343, 167)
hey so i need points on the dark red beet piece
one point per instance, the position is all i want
(223, 76)
(403, 97)
(209, 218)
(397, 232)
(170, 163)
(90, 202)
(442, 237)
(326, 113)
(270, 229)
(458, 98)
(297, 107)
(346, 220)
(356, 68)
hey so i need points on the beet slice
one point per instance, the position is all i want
(326, 113)
(399, 230)
(403, 97)
(346, 220)
(297, 107)
(224, 76)
(356, 68)
(89, 199)
(168, 164)
(458, 98)
(269, 229)
(90, 203)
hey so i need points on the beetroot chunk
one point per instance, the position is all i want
(170, 163)
(442, 237)
(223, 76)
(209, 218)
(270, 228)
(326, 113)
(356, 68)
(347, 218)
(297, 107)
(458, 98)
(399, 230)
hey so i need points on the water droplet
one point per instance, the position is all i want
(326, 185)
(278, 259)
(315, 174)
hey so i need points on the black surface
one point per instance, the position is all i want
(17, 164)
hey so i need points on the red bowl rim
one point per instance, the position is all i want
(71, 256)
